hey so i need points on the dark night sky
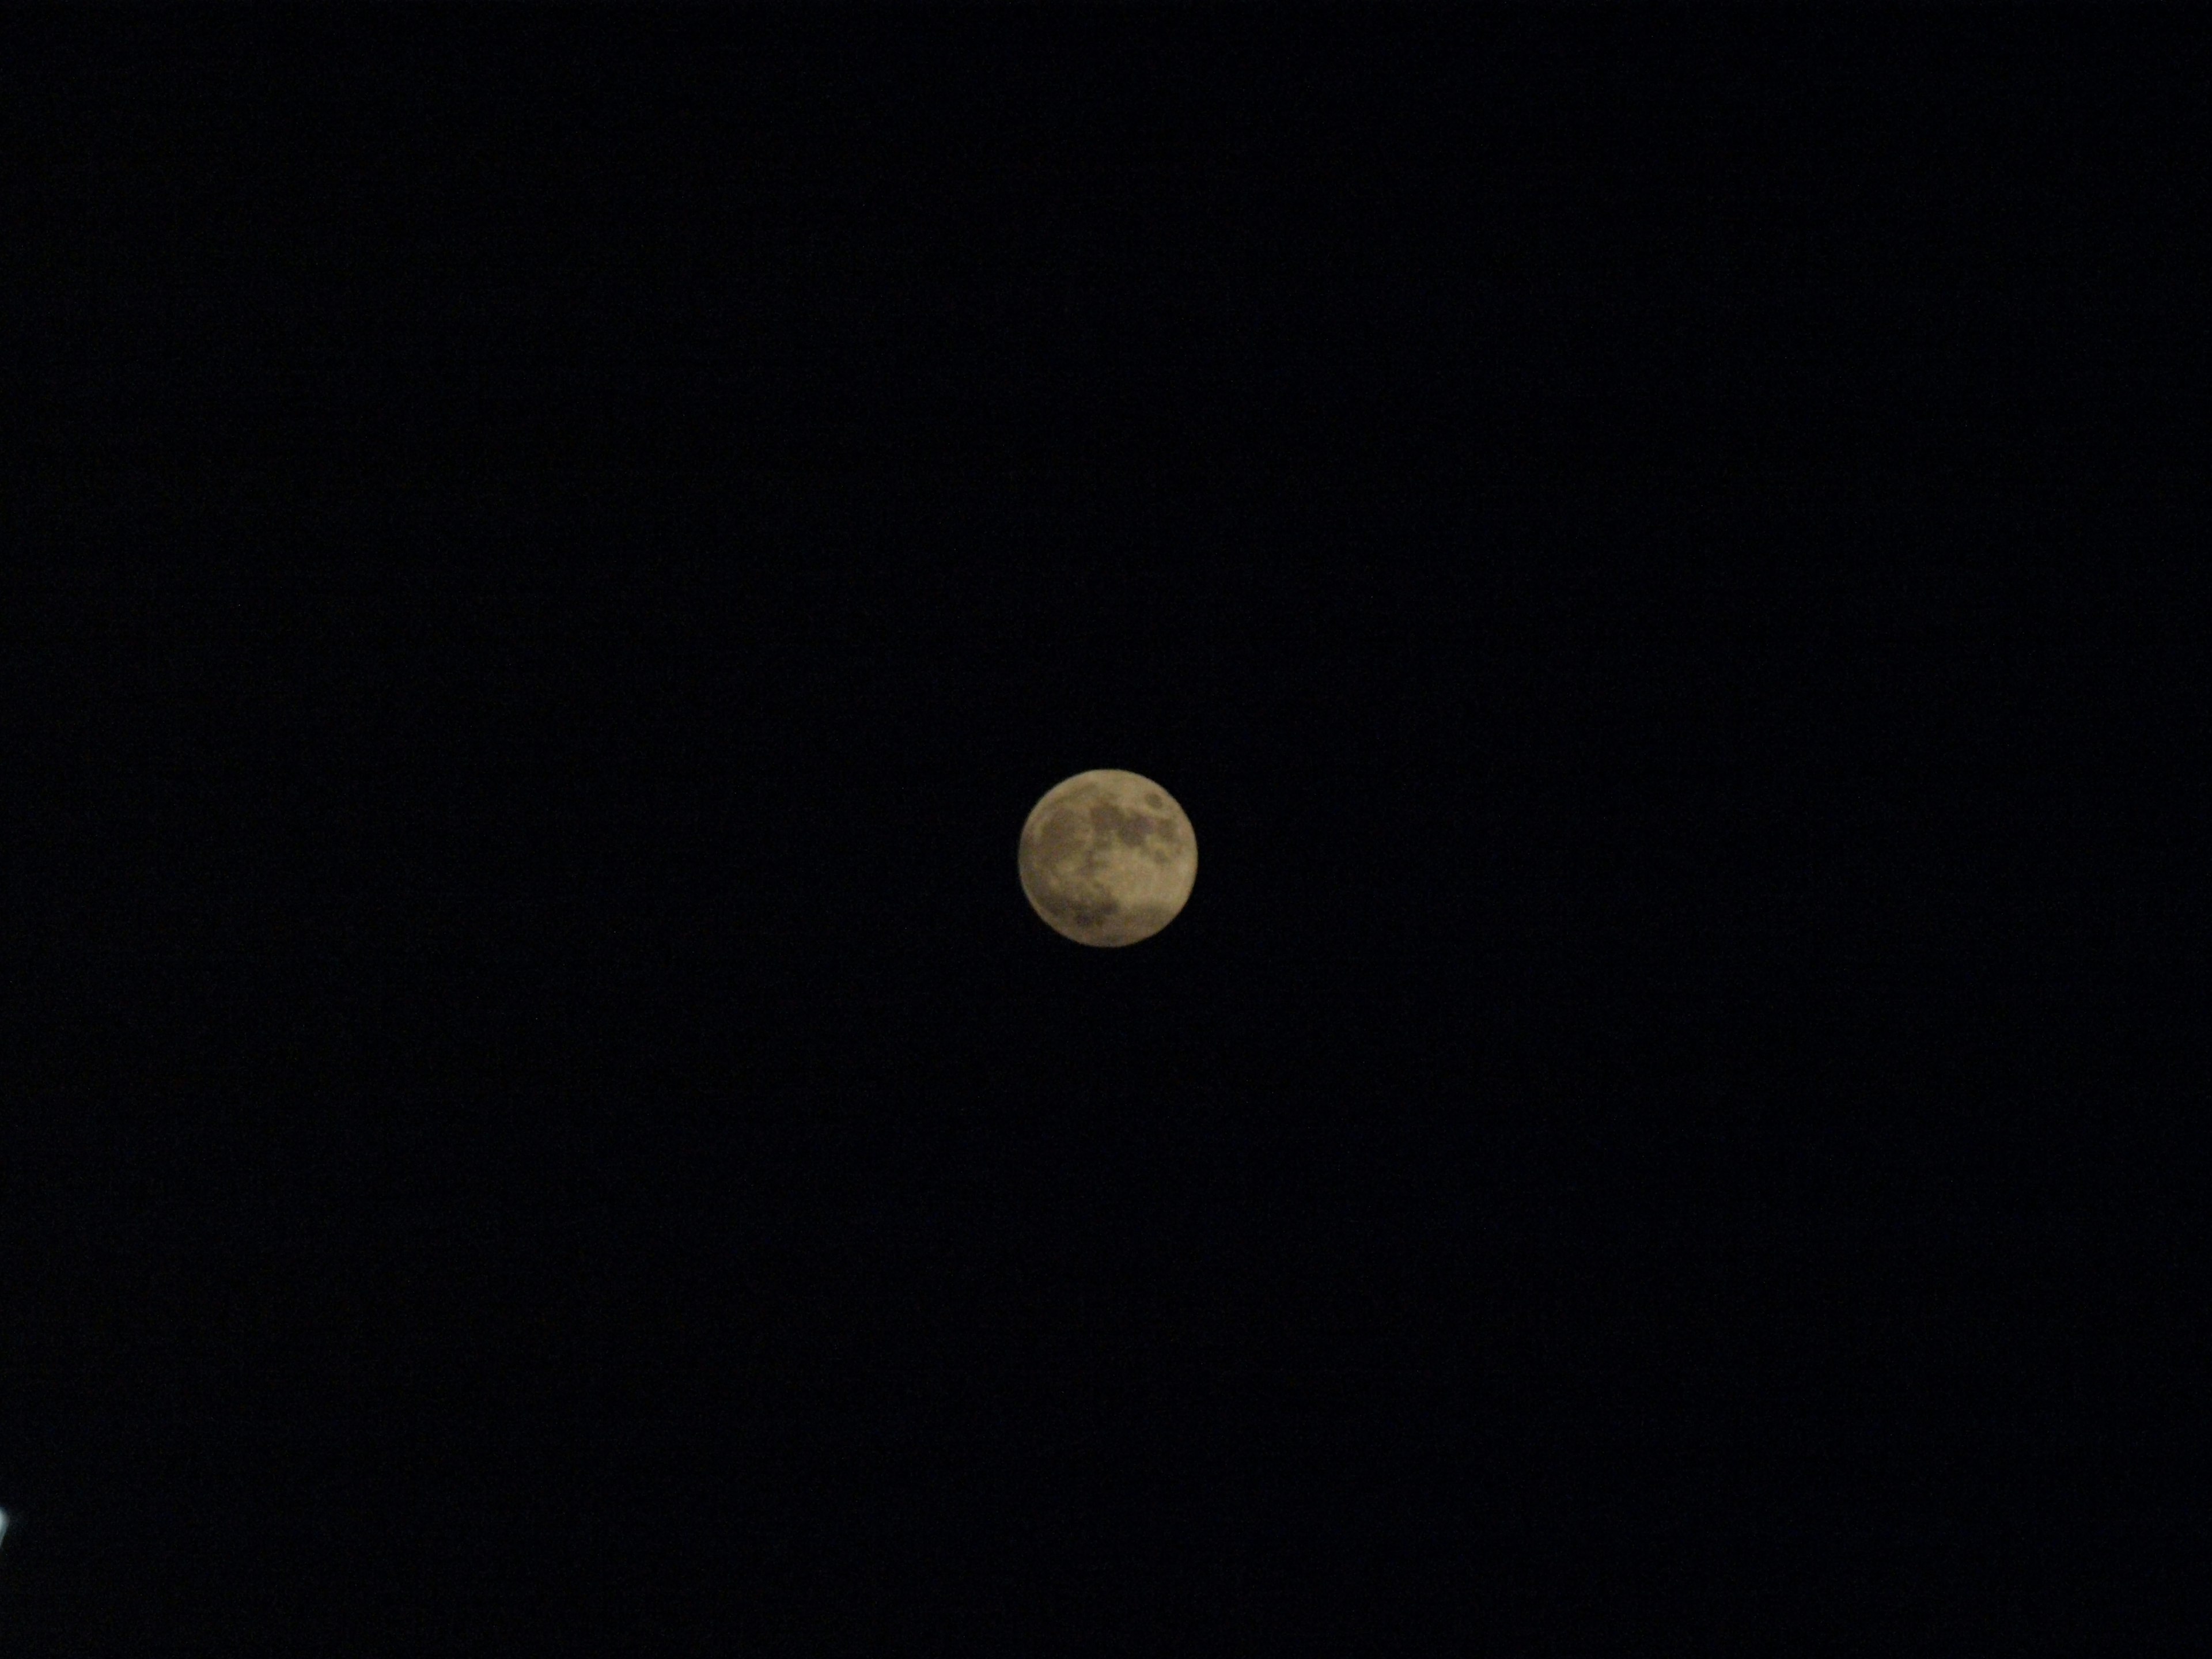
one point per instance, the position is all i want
(565, 544)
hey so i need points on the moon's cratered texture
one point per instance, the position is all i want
(1107, 858)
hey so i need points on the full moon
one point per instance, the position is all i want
(1107, 858)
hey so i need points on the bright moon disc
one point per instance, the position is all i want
(1107, 858)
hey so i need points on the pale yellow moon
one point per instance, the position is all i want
(1107, 858)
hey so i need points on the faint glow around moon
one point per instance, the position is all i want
(1107, 858)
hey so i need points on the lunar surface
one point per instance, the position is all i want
(1107, 858)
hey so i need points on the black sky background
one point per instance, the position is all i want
(563, 546)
